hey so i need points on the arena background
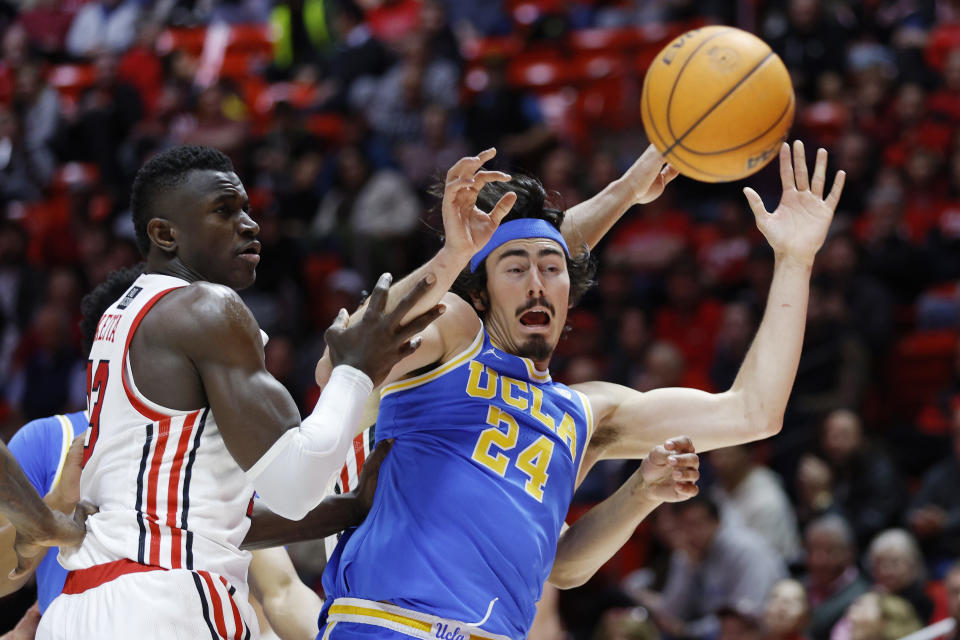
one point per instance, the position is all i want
(339, 117)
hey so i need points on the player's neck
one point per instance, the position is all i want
(502, 341)
(172, 267)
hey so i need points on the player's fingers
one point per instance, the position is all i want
(786, 168)
(669, 172)
(421, 322)
(681, 444)
(688, 460)
(380, 452)
(800, 166)
(659, 455)
(378, 299)
(503, 206)
(834, 198)
(686, 475)
(687, 489)
(756, 204)
(819, 173)
(484, 177)
(468, 166)
(412, 297)
(410, 346)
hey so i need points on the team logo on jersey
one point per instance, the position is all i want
(127, 299)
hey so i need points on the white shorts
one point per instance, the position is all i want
(176, 604)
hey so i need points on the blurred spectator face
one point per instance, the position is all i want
(804, 14)
(951, 71)
(209, 103)
(730, 463)
(696, 528)
(893, 563)
(15, 46)
(633, 334)
(602, 170)
(838, 258)
(106, 67)
(557, 169)
(8, 123)
(683, 289)
(736, 328)
(910, 103)
(952, 583)
(866, 619)
(50, 324)
(28, 83)
(63, 290)
(828, 554)
(786, 609)
(854, 153)
(435, 123)
(433, 17)
(830, 86)
(663, 367)
(921, 168)
(886, 212)
(582, 369)
(353, 168)
(842, 436)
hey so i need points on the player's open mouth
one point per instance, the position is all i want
(250, 252)
(534, 318)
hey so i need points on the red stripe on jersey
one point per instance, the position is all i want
(85, 579)
(134, 400)
(345, 479)
(173, 489)
(237, 620)
(163, 433)
(216, 604)
(358, 451)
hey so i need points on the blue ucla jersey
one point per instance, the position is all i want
(41, 448)
(472, 497)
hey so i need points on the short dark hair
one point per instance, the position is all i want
(103, 295)
(164, 171)
(531, 202)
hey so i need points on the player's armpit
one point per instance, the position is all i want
(333, 515)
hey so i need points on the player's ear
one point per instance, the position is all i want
(479, 300)
(162, 233)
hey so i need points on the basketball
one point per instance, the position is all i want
(717, 102)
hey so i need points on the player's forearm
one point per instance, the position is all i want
(9, 560)
(587, 222)
(293, 612)
(20, 503)
(593, 539)
(333, 515)
(766, 376)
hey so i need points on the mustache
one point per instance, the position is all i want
(536, 302)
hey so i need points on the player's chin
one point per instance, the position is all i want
(536, 347)
(243, 278)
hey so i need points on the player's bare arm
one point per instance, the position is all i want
(668, 474)
(291, 607)
(333, 515)
(630, 423)
(37, 526)
(590, 220)
(466, 229)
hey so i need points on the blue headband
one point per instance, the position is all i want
(516, 230)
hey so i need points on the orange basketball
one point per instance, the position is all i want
(717, 102)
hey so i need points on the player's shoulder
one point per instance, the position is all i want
(458, 325)
(204, 306)
(41, 429)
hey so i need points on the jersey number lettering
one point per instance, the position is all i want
(96, 392)
(532, 461)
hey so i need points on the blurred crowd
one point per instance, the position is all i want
(340, 115)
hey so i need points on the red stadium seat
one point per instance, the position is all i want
(943, 39)
(189, 40)
(256, 39)
(920, 364)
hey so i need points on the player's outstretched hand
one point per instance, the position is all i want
(649, 175)
(798, 226)
(467, 228)
(367, 484)
(671, 470)
(378, 340)
(26, 629)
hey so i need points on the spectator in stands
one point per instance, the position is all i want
(105, 116)
(218, 119)
(366, 213)
(715, 566)
(560, 174)
(652, 239)
(786, 612)
(38, 110)
(394, 103)
(21, 288)
(99, 25)
(356, 54)
(24, 172)
(934, 512)
(664, 366)
(863, 484)
(896, 565)
(734, 337)
(832, 580)
(46, 23)
(301, 34)
(877, 616)
(423, 159)
(632, 338)
(507, 118)
(723, 247)
(753, 495)
(15, 48)
(441, 41)
(809, 42)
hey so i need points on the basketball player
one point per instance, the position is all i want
(488, 449)
(186, 423)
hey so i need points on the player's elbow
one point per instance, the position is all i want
(568, 578)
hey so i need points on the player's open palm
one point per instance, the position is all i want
(466, 227)
(799, 224)
(378, 339)
(671, 470)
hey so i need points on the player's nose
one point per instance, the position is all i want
(248, 226)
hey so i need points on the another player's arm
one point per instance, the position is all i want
(466, 230)
(590, 220)
(668, 474)
(289, 462)
(333, 515)
(291, 607)
(630, 423)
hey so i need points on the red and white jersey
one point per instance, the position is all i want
(169, 493)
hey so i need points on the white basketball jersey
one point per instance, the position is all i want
(169, 493)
